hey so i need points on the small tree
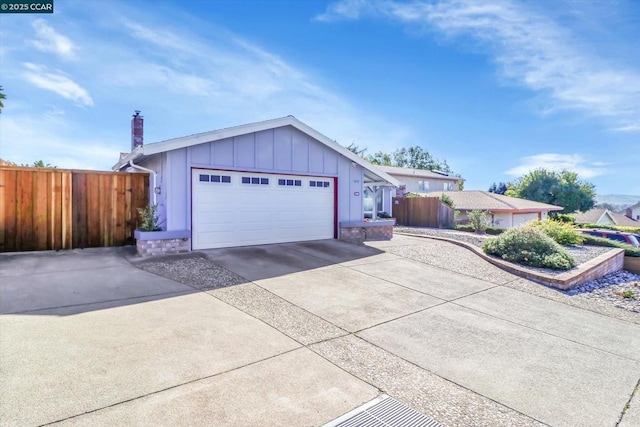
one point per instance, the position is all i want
(149, 218)
(478, 220)
(447, 201)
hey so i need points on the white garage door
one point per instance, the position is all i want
(519, 219)
(240, 208)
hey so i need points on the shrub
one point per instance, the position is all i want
(563, 217)
(447, 201)
(601, 241)
(490, 230)
(635, 230)
(529, 246)
(562, 232)
(478, 220)
(149, 218)
(383, 215)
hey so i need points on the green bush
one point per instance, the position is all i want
(635, 230)
(529, 246)
(562, 232)
(563, 217)
(149, 218)
(601, 241)
(447, 200)
(490, 230)
(478, 220)
(383, 215)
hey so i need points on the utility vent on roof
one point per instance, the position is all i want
(383, 411)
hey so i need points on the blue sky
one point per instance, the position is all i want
(494, 87)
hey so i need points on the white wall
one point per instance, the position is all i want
(412, 183)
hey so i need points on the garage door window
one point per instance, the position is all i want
(225, 179)
(319, 184)
(290, 182)
(254, 180)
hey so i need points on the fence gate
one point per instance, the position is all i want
(47, 208)
(422, 212)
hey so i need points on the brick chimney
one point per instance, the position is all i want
(137, 130)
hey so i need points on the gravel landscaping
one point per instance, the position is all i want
(620, 290)
(193, 269)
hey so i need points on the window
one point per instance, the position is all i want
(423, 185)
(290, 182)
(255, 180)
(319, 184)
(215, 178)
(448, 186)
(368, 203)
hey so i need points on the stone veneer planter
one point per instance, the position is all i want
(360, 231)
(600, 266)
(632, 264)
(150, 243)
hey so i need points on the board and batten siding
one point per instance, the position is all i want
(280, 150)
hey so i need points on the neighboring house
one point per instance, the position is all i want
(267, 182)
(633, 212)
(423, 181)
(502, 211)
(602, 216)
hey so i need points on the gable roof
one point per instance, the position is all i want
(592, 216)
(201, 138)
(484, 200)
(422, 173)
(624, 221)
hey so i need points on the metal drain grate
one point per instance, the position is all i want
(383, 411)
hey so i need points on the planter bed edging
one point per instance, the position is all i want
(599, 266)
(360, 231)
(152, 243)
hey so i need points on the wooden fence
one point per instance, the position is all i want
(422, 212)
(44, 208)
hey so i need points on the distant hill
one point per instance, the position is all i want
(620, 201)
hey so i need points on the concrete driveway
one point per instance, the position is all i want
(315, 330)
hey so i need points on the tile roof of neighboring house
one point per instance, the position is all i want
(423, 173)
(624, 221)
(637, 205)
(592, 216)
(484, 200)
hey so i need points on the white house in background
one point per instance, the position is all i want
(421, 180)
(268, 182)
(633, 212)
(604, 216)
(502, 211)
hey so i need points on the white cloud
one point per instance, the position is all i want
(57, 82)
(559, 162)
(532, 48)
(49, 40)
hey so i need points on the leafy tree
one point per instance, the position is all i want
(2, 96)
(556, 188)
(39, 164)
(606, 206)
(355, 149)
(499, 188)
(380, 158)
